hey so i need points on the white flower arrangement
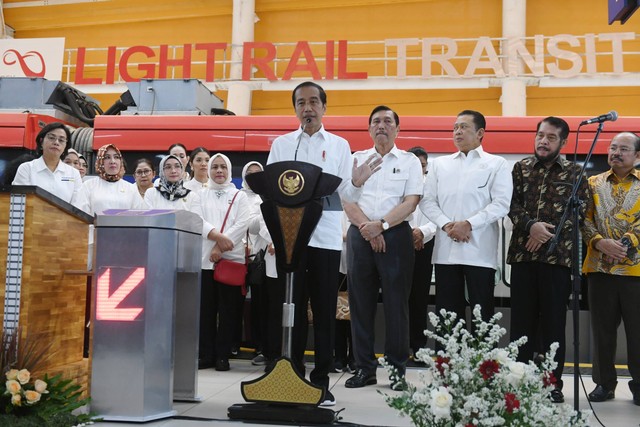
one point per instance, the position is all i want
(473, 382)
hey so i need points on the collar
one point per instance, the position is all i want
(609, 175)
(322, 132)
(562, 162)
(480, 152)
(40, 165)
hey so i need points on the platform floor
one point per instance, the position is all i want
(363, 407)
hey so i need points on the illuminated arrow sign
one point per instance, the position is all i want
(106, 306)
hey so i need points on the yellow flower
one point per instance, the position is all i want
(16, 400)
(23, 376)
(40, 386)
(12, 374)
(31, 396)
(13, 386)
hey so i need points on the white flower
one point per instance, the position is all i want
(441, 403)
(12, 374)
(516, 372)
(13, 386)
(502, 356)
(40, 386)
(32, 396)
(23, 376)
(420, 398)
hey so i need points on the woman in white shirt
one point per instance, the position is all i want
(256, 243)
(109, 190)
(48, 171)
(199, 168)
(170, 193)
(180, 151)
(219, 301)
(144, 174)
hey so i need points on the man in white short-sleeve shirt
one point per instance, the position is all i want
(380, 251)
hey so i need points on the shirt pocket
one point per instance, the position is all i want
(395, 184)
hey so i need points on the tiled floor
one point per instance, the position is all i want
(364, 407)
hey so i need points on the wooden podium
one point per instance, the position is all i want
(43, 258)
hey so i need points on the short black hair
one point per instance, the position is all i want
(323, 94)
(556, 122)
(48, 128)
(419, 152)
(384, 108)
(147, 161)
(478, 119)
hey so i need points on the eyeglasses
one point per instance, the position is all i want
(51, 137)
(171, 167)
(622, 150)
(143, 172)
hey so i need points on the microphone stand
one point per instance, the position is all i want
(573, 208)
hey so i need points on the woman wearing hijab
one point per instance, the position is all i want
(48, 171)
(109, 190)
(83, 166)
(170, 192)
(219, 302)
(256, 242)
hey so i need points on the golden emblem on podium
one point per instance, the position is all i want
(291, 182)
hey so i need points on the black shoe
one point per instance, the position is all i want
(556, 396)
(328, 399)
(635, 391)
(399, 385)
(222, 365)
(601, 394)
(338, 367)
(361, 379)
(205, 363)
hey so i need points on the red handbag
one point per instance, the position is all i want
(228, 272)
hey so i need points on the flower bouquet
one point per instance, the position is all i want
(26, 401)
(472, 382)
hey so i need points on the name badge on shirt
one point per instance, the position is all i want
(67, 179)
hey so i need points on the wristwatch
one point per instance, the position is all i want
(385, 224)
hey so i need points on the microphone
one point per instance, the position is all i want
(304, 126)
(611, 116)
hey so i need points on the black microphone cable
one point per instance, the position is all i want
(304, 126)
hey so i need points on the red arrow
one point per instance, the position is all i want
(106, 306)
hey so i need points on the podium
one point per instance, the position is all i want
(146, 292)
(43, 260)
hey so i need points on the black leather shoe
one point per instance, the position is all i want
(556, 396)
(361, 379)
(635, 391)
(222, 365)
(601, 394)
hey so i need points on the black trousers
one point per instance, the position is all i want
(450, 288)
(419, 297)
(539, 297)
(369, 271)
(273, 295)
(219, 308)
(316, 282)
(614, 299)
